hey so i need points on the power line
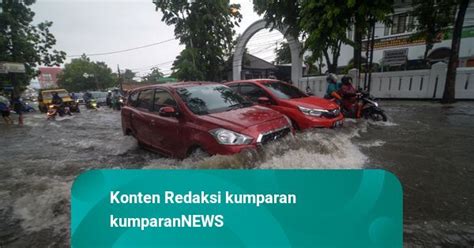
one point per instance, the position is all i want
(125, 50)
(150, 66)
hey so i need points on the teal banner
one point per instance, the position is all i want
(238, 208)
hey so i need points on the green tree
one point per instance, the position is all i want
(281, 14)
(365, 14)
(184, 67)
(153, 76)
(205, 27)
(128, 75)
(449, 87)
(323, 23)
(433, 18)
(283, 53)
(82, 74)
(23, 42)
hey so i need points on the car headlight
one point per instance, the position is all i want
(312, 112)
(227, 137)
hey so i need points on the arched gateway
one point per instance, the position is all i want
(295, 47)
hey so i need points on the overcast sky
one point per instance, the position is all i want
(101, 26)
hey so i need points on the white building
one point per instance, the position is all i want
(397, 37)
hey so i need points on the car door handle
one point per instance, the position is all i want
(133, 115)
(152, 123)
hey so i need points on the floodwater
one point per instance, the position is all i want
(430, 148)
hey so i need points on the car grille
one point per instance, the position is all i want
(332, 113)
(273, 135)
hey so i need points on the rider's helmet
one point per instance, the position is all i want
(332, 78)
(346, 79)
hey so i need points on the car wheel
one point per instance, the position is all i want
(197, 153)
(295, 125)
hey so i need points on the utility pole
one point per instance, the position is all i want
(119, 78)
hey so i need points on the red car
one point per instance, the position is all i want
(178, 118)
(304, 111)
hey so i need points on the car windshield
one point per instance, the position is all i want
(208, 99)
(284, 91)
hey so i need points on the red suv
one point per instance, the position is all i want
(176, 119)
(304, 111)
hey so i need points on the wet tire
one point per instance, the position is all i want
(377, 115)
(295, 125)
(197, 153)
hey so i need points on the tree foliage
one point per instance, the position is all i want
(433, 18)
(205, 27)
(23, 42)
(82, 74)
(281, 14)
(283, 53)
(153, 76)
(323, 23)
(364, 14)
(128, 75)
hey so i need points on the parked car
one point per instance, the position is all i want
(304, 111)
(100, 97)
(79, 99)
(179, 118)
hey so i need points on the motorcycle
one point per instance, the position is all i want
(92, 104)
(56, 109)
(117, 102)
(370, 108)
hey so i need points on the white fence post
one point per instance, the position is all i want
(437, 80)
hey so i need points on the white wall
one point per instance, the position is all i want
(416, 84)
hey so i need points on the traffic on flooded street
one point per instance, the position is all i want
(237, 123)
(41, 159)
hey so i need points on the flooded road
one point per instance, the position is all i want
(428, 146)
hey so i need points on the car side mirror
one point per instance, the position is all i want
(167, 112)
(264, 100)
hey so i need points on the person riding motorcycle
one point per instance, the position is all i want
(87, 97)
(108, 100)
(57, 101)
(333, 87)
(115, 99)
(349, 97)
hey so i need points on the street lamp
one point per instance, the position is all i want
(87, 75)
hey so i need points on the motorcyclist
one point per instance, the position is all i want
(116, 95)
(333, 87)
(349, 96)
(57, 101)
(87, 98)
(108, 100)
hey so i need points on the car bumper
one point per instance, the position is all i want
(321, 122)
(250, 148)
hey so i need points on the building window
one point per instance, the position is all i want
(387, 30)
(411, 23)
(47, 77)
(399, 24)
